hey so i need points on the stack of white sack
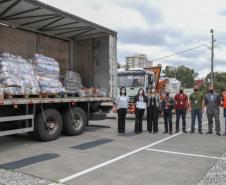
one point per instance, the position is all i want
(17, 76)
(103, 92)
(47, 71)
(72, 82)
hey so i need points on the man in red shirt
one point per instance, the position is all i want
(181, 105)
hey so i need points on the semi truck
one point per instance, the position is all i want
(28, 27)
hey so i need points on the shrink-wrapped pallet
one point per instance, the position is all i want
(17, 76)
(103, 92)
(72, 82)
(47, 71)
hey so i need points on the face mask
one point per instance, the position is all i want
(167, 94)
(211, 90)
(181, 91)
(196, 90)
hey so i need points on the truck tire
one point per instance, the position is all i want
(49, 130)
(74, 124)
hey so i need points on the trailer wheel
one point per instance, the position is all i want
(74, 121)
(49, 129)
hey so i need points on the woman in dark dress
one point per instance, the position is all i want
(141, 104)
(153, 105)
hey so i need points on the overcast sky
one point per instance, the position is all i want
(159, 28)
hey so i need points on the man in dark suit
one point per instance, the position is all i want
(212, 103)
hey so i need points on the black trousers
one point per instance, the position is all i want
(152, 119)
(180, 112)
(168, 120)
(139, 113)
(121, 120)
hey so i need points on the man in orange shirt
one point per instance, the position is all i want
(224, 106)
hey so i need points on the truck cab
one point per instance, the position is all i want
(134, 79)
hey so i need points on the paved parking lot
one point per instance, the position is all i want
(101, 156)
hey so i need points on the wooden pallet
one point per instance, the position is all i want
(21, 96)
(71, 95)
(47, 95)
(41, 95)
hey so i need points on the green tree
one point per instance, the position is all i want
(203, 88)
(170, 71)
(219, 81)
(182, 73)
(186, 76)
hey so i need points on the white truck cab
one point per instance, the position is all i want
(134, 79)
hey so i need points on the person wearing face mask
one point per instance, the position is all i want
(140, 103)
(122, 105)
(212, 103)
(167, 108)
(181, 106)
(224, 107)
(152, 110)
(196, 102)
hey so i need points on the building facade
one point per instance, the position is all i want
(138, 61)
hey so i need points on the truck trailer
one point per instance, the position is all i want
(28, 27)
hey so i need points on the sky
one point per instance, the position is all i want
(160, 27)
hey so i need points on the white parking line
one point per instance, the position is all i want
(115, 159)
(185, 154)
(76, 175)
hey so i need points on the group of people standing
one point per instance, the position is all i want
(180, 103)
(151, 103)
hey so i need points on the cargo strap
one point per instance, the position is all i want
(73, 116)
(44, 117)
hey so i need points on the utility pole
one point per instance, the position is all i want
(212, 55)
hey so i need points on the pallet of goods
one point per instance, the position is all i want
(93, 92)
(40, 78)
(72, 83)
(47, 72)
(17, 77)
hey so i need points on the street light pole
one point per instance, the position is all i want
(212, 55)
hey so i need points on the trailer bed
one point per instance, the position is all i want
(24, 101)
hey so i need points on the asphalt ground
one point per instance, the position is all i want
(100, 156)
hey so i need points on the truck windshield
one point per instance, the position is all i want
(131, 80)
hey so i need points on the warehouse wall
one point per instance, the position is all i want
(55, 48)
(83, 55)
(92, 62)
(26, 44)
(95, 60)
(101, 62)
(17, 42)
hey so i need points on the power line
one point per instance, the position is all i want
(178, 53)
